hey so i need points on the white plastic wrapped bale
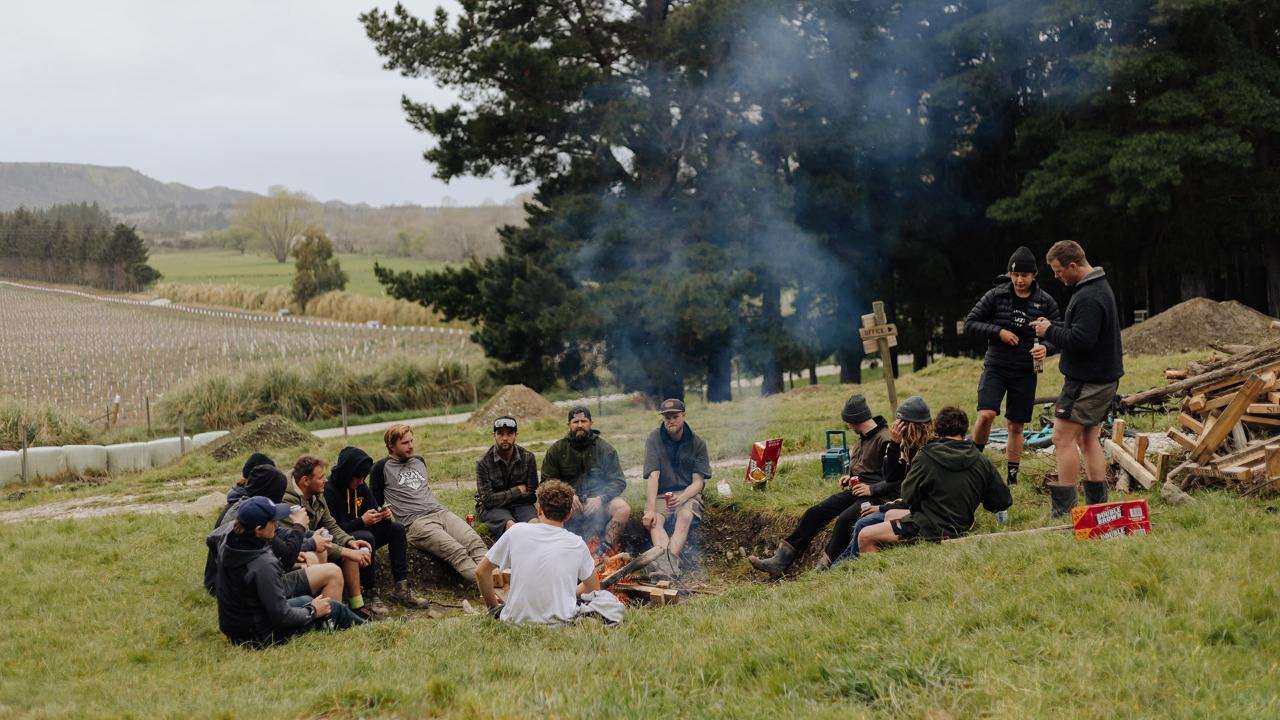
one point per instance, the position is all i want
(10, 467)
(166, 450)
(46, 462)
(204, 438)
(128, 457)
(87, 459)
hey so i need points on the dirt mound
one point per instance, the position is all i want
(272, 431)
(1191, 325)
(519, 402)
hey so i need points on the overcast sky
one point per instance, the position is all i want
(241, 93)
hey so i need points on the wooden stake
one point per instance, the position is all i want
(886, 358)
(1129, 463)
(1163, 463)
(1272, 467)
(182, 434)
(22, 430)
(146, 400)
(343, 404)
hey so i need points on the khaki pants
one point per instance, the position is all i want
(449, 538)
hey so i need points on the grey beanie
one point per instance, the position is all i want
(914, 410)
(855, 410)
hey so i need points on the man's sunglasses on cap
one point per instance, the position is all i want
(504, 422)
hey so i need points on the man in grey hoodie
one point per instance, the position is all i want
(400, 483)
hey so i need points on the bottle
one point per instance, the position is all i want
(1037, 364)
(723, 489)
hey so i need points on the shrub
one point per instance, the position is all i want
(42, 424)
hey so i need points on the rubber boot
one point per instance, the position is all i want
(1095, 492)
(1063, 499)
(777, 564)
(823, 562)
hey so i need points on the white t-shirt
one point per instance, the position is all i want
(546, 564)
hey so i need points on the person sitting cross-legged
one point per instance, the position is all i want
(506, 480)
(550, 566)
(947, 482)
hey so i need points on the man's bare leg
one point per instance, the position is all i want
(325, 579)
(874, 536)
(351, 576)
(1095, 461)
(1066, 436)
(982, 427)
(619, 515)
(680, 533)
(1013, 451)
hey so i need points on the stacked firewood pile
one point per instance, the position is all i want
(1228, 423)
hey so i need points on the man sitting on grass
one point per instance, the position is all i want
(254, 606)
(590, 465)
(550, 566)
(351, 501)
(506, 480)
(400, 482)
(333, 544)
(947, 481)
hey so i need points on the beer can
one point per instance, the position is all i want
(865, 505)
(471, 519)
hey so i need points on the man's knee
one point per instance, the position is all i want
(987, 415)
(397, 531)
(1015, 428)
(619, 509)
(1065, 433)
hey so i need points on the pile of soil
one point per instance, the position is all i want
(272, 431)
(1191, 325)
(518, 401)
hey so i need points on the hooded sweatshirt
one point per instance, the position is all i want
(288, 542)
(347, 503)
(947, 481)
(250, 591)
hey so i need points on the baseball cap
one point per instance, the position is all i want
(671, 405)
(258, 511)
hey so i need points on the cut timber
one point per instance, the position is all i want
(1259, 420)
(1187, 443)
(1172, 374)
(1213, 437)
(1140, 448)
(1196, 403)
(1272, 467)
(1117, 432)
(1264, 356)
(1163, 462)
(1267, 408)
(1190, 423)
(1130, 464)
(1247, 456)
(1239, 439)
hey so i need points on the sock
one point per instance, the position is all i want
(1013, 473)
(356, 602)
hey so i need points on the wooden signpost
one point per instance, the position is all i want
(879, 334)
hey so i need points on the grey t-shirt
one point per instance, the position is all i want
(407, 491)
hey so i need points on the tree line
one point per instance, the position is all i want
(75, 243)
(723, 180)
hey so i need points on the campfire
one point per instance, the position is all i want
(615, 572)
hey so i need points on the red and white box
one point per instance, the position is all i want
(763, 465)
(1110, 520)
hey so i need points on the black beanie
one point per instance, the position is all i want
(1022, 260)
(254, 461)
(856, 410)
(266, 481)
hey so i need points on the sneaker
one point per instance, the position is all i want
(365, 614)
(406, 596)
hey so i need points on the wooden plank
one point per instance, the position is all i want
(1129, 463)
(1271, 469)
(1264, 408)
(1190, 423)
(1219, 402)
(1164, 461)
(1172, 374)
(1117, 435)
(1239, 439)
(1237, 473)
(1259, 420)
(1187, 443)
(1140, 448)
(1213, 437)
(1246, 456)
(877, 309)
(1274, 397)
(1196, 403)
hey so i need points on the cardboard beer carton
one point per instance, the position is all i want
(764, 463)
(1109, 520)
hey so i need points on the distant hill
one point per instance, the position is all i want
(182, 217)
(36, 185)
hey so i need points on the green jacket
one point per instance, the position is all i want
(318, 510)
(593, 469)
(947, 481)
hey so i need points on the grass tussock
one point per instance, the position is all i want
(41, 424)
(334, 305)
(318, 391)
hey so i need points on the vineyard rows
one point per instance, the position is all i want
(79, 351)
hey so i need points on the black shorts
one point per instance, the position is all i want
(905, 529)
(1019, 388)
(296, 583)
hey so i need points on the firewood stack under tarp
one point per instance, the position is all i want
(1228, 421)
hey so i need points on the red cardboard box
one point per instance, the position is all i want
(1106, 520)
(764, 462)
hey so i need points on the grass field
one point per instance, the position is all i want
(107, 617)
(221, 267)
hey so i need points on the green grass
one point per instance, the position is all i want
(107, 617)
(221, 267)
